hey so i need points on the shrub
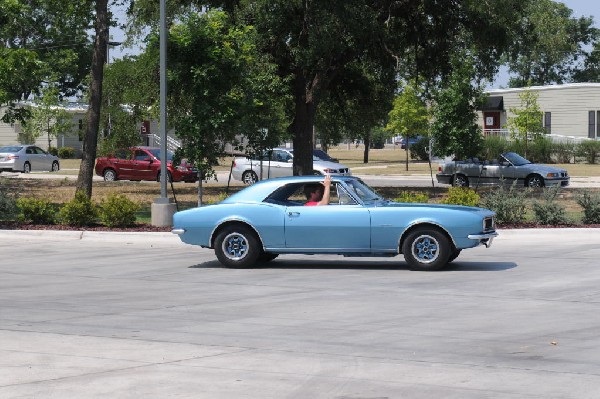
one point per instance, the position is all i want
(509, 204)
(540, 150)
(590, 150)
(8, 204)
(80, 211)
(407, 196)
(493, 146)
(564, 152)
(548, 211)
(53, 151)
(220, 197)
(118, 211)
(36, 211)
(590, 203)
(66, 152)
(461, 196)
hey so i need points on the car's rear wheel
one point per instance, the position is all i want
(26, 167)
(535, 181)
(109, 175)
(460, 181)
(426, 248)
(55, 166)
(237, 246)
(249, 177)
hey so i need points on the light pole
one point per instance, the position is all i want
(162, 210)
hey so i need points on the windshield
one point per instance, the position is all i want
(13, 148)
(515, 159)
(362, 191)
(156, 153)
(315, 157)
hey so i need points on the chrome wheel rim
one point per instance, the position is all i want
(535, 182)
(55, 167)
(235, 246)
(27, 168)
(426, 249)
(459, 181)
(109, 175)
(249, 178)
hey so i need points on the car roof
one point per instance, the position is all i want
(261, 190)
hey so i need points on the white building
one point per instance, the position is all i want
(571, 110)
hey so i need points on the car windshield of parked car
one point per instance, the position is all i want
(156, 153)
(362, 191)
(10, 149)
(516, 159)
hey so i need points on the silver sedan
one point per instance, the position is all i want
(27, 158)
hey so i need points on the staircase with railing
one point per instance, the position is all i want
(154, 140)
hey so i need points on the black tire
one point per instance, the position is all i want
(249, 177)
(109, 175)
(55, 166)
(426, 248)
(169, 177)
(535, 181)
(460, 181)
(266, 257)
(454, 255)
(237, 246)
(26, 167)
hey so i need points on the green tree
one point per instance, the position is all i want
(48, 117)
(589, 71)
(221, 87)
(549, 41)
(409, 117)
(42, 41)
(316, 43)
(526, 123)
(454, 124)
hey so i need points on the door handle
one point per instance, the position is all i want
(293, 214)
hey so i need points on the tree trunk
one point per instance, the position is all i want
(303, 129)
(90, 141)
(367, 141)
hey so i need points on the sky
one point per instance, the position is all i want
(579, 7)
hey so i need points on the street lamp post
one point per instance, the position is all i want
(162, 210)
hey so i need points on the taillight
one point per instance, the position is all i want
(439, 168)
(234, 164)
(13, 157)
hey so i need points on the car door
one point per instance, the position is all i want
(141, 166)
(343, 225)
(278, 165)
(122, 163)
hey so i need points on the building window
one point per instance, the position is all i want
(548, 122)
(592, 125)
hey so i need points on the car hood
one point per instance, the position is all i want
(329, 165)
(543, 169)
(462, 208)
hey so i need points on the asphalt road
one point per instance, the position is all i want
(107, 315)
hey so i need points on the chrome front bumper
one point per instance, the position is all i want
(485, 239)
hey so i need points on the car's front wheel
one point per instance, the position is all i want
(55, 166)
(535, 181)
(426, 248)
(249, 177)
(237, 246)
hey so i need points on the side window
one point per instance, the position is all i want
(122, 154)
(140, 155)
(29, 150)
(343, 197)
(38, 150)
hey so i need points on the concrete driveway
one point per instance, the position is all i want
(104, 315)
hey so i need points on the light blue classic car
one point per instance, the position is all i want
(269, 218)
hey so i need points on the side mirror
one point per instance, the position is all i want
(150, 160)
(291, 160)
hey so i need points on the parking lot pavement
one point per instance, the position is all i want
(84, 317)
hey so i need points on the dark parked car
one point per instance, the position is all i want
(411, 141)
(142, 163)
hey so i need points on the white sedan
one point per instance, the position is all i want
(278, 163)
(27, 158)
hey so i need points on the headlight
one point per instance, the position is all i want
(330, 170)
(553, 174)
